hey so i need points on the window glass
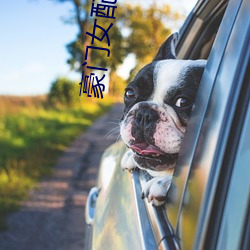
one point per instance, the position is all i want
(236, 206)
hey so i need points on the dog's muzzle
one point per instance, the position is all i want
(145, 118)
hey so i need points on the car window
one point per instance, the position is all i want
(199, 31)
(165, 223)
(235, 212)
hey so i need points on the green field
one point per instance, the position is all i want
(31, 138)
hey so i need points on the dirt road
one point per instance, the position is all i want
(53, 218)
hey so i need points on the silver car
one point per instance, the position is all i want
(208, 203)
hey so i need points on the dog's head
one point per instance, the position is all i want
(158, 103)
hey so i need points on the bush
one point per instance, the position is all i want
(31, 139)
(63, 92)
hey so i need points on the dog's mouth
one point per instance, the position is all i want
(149, 152)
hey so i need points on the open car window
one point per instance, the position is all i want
(196, 41)
(200, 27)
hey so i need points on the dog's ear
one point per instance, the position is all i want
(167, 49)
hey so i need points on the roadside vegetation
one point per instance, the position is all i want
(34, 131)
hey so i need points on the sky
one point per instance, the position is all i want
(32, 44)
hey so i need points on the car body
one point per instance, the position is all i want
(209, 198)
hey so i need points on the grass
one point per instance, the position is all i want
(31, 138)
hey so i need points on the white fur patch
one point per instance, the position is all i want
(169, 73)
(167, 138)
(128, 161)
(157, 188)
(125, 131)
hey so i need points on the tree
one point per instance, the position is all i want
(81, 17)
(147, 31)
(82, 20)
(136, 29)
(117, 86)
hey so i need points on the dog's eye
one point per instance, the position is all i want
(183, 102)
(130, 94)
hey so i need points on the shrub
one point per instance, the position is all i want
(63, 92)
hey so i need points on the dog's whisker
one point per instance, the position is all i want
(112, 132)
(118, 138)
(117, 129)
(111, 136)
(115, 121)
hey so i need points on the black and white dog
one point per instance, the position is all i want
(158, 103)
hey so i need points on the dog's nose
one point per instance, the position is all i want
(144, 118)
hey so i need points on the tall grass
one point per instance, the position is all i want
(31, 138)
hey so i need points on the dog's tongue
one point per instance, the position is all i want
(145, 149)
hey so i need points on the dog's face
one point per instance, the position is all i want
(158, 103)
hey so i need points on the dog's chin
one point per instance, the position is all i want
(156, 163)
(152, 158)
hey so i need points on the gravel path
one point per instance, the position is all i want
(53, 218)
